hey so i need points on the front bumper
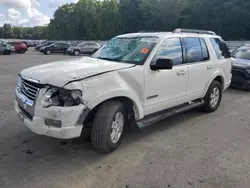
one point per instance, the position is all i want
(71, 127)
(240, 78)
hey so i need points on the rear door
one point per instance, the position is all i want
(64, 47)
(199, 66)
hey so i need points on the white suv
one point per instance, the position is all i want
(140, 77)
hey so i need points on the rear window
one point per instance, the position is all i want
(220, 48)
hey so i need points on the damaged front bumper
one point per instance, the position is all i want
(70, 120)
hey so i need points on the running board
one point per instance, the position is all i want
(154, 118)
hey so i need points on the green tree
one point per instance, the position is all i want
(18, 32)
(7, 31)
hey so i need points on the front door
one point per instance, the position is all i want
(199, 66)
(166, 88)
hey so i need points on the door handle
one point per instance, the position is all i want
(210, 66)
(181, 72)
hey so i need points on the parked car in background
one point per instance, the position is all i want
(138, 77)
(26, 43)
(55, 48)
(6, 49)
(46, 43)
(241, 67)
(84, 48)
(20, 47)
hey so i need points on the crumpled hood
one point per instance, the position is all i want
(61, 72)
(242, 63)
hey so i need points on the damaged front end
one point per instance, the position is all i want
(54, 111)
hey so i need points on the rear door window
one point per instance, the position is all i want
(220, 48)
(193, 50)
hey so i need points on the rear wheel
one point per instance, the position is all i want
(76, 52)
(7, 52)
(213, 97)
(22, 51)
(108, 126)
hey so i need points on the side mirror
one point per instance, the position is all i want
(161, 64)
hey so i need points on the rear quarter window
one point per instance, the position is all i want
(220, 48)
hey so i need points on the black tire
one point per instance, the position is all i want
(22, 51)
(102, 126)
(7, 52)
(208, 107)
(76, 53)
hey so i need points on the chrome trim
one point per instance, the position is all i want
(29, 79)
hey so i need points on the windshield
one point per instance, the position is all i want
(128, 50)
(242, 53)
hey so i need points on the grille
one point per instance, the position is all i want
(29, 89)
(241, 73)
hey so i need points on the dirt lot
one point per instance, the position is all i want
(191, 150)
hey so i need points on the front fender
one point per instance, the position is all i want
(111, 85)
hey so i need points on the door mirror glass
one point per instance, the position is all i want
(161, 64)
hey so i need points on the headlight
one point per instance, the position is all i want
(61, 97)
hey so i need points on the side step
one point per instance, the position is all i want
(159, 116)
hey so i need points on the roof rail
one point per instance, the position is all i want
(194, 31)
(146, 31)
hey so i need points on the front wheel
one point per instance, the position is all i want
(108, 126)
(48, 52)
(213, 97)
(76, 52)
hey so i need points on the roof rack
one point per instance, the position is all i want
(194, 31)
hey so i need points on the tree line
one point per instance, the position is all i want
(101, 20)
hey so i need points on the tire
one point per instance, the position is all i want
(7, 52)
(102, 132)
(76, 52)
(213, 97)
(22, 51)
(48, 52)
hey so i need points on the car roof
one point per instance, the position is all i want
(162, 35)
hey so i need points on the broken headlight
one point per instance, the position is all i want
(61, 97)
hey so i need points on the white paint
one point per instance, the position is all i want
(100, 80)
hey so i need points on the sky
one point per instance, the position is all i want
(29, 12)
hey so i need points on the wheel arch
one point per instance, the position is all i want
(135, 110)
(218, 77)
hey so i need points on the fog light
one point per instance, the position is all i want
(53, 123)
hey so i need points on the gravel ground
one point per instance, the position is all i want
(189, 150)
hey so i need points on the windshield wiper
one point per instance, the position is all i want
(109, 59)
